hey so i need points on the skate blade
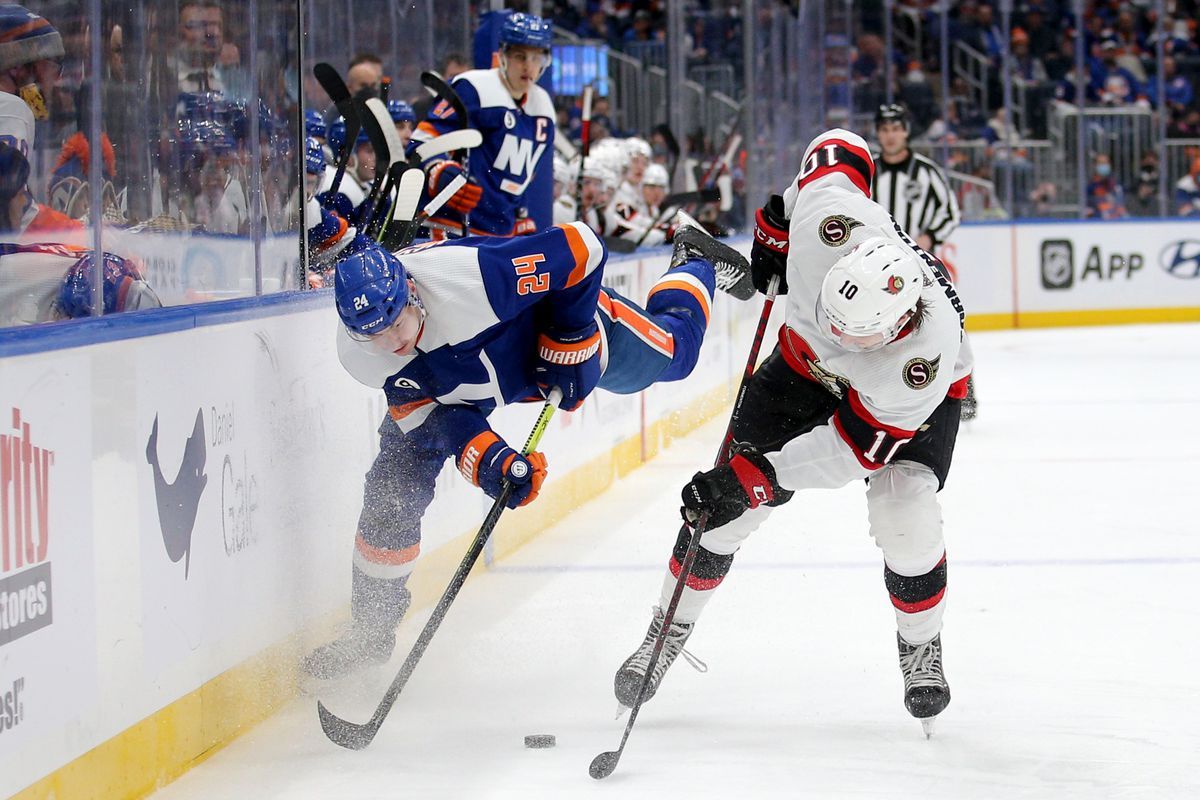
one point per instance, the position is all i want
(622, 710)
(927, 726)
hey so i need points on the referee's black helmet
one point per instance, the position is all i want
(892, 112)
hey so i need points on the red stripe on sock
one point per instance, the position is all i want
(920, 605)
(693, 582)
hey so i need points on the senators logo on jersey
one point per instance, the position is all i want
(919, 372)
(835, 231)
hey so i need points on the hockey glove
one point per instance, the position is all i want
(570, 361)
(726, 492)
(465, 199)
(769, 253)
(487, 462)
(336, 202)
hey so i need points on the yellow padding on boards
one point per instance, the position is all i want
(168, 743)
(1057, 319)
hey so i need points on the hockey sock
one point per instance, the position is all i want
(708, 570)
(919, 601)
(681, 302)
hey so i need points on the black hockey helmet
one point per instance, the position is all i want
(892, 112)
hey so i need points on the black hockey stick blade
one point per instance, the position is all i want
(444, 91)
(346, 734)
(379, 144)
(335, 87)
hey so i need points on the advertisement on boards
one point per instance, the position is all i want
(1108, 266)
(47, 581)
(232, 476)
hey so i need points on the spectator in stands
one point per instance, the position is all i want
(1026, 66)
(1058, 62)
(1112, 84)
(990, 34)
(599, 25)
(365, 76)
(1041, 38)
(642, 29)
(202, 63)
(1187, 192)
(1105, 196)
(1145, 194)
(1186, 127)
(867, 70)
(971, 118)
(1178, 89)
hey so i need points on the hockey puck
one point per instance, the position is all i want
(539, 741)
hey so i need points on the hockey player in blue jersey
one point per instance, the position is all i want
(452, 330)
(516, 118)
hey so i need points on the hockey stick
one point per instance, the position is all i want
(584, 148)
(675, 201)
(356, 737)
(395, 149)
(462, 139)
(408, 231)
(383, 154)
(603, 765)
(442, 89)
(408, 183)
(722, 164)
(335, 87)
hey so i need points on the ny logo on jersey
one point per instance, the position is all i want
(518, 156)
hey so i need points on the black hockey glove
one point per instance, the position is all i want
(726, 492)
(768, 254)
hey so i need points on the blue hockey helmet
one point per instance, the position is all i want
(75, 294)
(314, 124)
(529, 30)
(314, 156)
(401, 111)
(337, 136)
(371, 289)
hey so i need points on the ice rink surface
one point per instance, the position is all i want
(1071, 636)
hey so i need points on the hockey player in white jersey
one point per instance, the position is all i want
(865, 383)
(637, 223)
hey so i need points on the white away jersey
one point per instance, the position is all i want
(886, 394)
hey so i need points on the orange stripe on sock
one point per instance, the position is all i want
(381, 555)
(701, 298)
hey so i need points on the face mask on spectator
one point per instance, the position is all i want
(1104, 170)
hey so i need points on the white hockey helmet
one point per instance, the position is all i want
(563, 172)
(868, 294)
(598, 170)
(635, 146)
(656, 175)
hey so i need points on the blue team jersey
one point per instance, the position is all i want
(518, 140)
(487, 299)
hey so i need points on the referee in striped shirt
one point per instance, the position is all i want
(910, 186)
(914, 190)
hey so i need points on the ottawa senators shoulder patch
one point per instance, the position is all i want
(919, 372)
(835, 230)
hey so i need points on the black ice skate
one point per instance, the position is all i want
(969, 407)
(355, 649)
(926, 693)
(628, 681)
(732, 268)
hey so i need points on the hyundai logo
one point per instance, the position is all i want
(1181, 259)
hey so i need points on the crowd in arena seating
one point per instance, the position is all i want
(1120, 44)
